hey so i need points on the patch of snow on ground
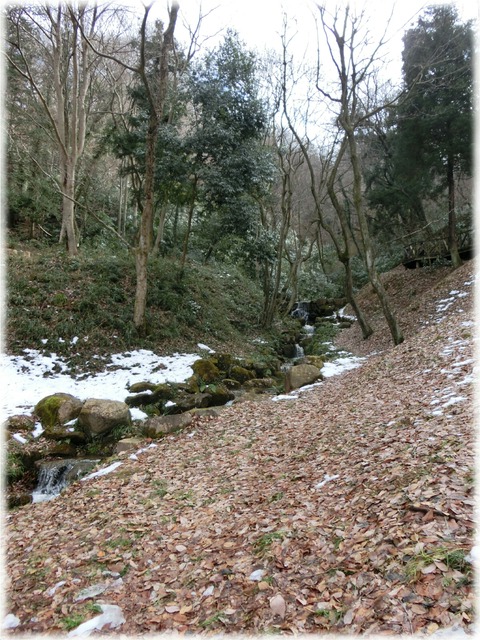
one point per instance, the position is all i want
(102, 472)
(335, 367)
(32, 376)
(111, 615)
(326, 478)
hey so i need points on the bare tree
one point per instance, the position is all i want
(355, 100)
(323, 169)
(45, 42)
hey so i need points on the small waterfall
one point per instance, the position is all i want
(301, 310)
(299, 352)
(55, 475)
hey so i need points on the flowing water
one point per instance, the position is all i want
(55, 475)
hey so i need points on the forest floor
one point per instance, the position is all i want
(348, 509)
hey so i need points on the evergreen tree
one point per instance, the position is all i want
(428, 144)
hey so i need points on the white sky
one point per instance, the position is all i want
(259, 22)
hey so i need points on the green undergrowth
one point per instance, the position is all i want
(83, 306)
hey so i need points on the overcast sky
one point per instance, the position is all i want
(259, 22)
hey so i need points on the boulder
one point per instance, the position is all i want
(161, 425)
(300, 375)
(20, 423)
(101, 416)
(241, 374)
(57, 409)
(158, 393)
(219, 395)
(206, 370)
(191, 401)
(128, 444)
(317, 361)
(260, 383)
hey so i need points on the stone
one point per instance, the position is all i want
(138, 387)
(57, 409)
(209, 412)
(317, 361)
(128, 444)
(20, 423)
(64, 450)
(206, 370)
(300, 375)
(231, 384)
(59, 432)
(260, 383)
(159, 393)
(218, 395)
(161, 425)
(241, 374)
(191, 401)
(101, 416)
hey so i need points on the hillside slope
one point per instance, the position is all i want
(349, 509)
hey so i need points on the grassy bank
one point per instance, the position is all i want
(84, 306)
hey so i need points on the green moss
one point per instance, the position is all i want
(206, 370)
(47, 411)
(15, 467)
(241, 374)
(164, 392)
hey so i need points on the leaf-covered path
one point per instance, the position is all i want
(348, 509)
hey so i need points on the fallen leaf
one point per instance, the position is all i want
(278, 606)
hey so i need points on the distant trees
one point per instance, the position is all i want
(427, 138)
(204, 158)
(47, 51)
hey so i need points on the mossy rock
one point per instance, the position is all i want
(231, 384)
(317, 361)
(191, 385)
(20, 423)
(164, 392)
(241, 374)
(160, 393)
(260, 383)
(57, 409)
(224, 361)
(139, 387)
(206, 369)
(219, 394)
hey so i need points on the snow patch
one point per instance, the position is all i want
(30, 377)
(111, 615)
(102, 472)
(326, 478)
(10, 621)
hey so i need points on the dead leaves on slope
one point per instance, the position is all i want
(231, 527)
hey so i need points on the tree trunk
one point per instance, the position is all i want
(361, 318)
(369, 257)
(139, 313)
(145, 234)
(156, 97)
(160, 228)
(191, 209)
(452, 218)
(68, 229)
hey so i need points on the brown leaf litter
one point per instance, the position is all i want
(349, 509)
